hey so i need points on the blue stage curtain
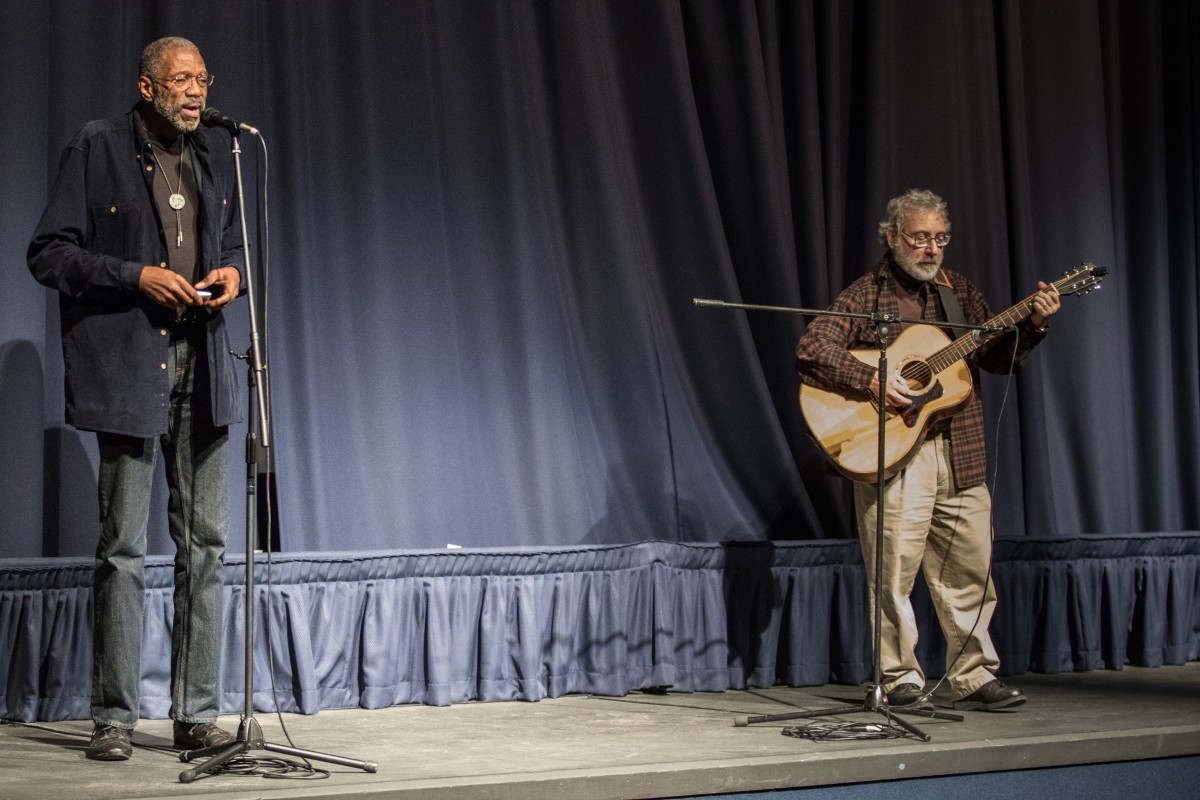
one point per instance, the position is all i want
(441, 627)
(489, 219)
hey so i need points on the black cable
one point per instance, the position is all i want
(251, 765)
(987, 581)
(272, 767)
(269, 450)
(846, 731)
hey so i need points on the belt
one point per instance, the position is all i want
(189, 327)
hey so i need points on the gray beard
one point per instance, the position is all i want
(915, 269)
(171, 114)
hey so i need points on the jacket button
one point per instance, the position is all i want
(112, 210)
(149, 168)
(163, 331)
(162, 264)
(164, 366)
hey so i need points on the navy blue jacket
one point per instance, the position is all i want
(100, 228)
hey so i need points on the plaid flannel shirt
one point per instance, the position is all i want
(823, 361)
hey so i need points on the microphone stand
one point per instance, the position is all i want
(876, 699)
(250, 736)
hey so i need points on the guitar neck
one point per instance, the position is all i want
(963, 346)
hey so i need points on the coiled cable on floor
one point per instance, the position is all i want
(845, 731)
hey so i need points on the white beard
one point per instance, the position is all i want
(917, 268)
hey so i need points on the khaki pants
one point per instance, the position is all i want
(928, 524)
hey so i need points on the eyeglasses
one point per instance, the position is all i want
(923, 240)
(181, 82)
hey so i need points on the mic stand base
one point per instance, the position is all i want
(874, 703)
(250, 738)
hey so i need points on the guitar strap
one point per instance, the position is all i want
(950, 304)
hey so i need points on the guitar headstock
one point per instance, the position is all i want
(1081, 279)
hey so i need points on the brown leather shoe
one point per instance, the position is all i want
(196, 735)
(109, 743)
(991, 696)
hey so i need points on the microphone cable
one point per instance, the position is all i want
(264, 246)
(247, 765)
(987, 581)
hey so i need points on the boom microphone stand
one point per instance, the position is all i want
(250, 736)
(876, 699)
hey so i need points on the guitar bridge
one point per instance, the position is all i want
(911, 414)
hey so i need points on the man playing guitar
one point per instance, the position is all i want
(937, 507)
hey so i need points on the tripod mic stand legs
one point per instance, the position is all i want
(250, 738)
(217, 756)
(874, 703)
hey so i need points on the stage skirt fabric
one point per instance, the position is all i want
(375, 629)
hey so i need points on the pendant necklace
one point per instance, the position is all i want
(176, 201)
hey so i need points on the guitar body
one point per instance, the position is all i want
(846, 424)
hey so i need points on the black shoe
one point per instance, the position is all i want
(109, 743)
(991, 696)
(908, 696)
(196, 735)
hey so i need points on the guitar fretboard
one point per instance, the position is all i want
(965, 345)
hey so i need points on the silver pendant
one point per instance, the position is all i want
(176, 201)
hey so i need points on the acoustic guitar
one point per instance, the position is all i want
(845, 424)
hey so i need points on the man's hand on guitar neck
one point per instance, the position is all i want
(896, 387)
(1045, 303)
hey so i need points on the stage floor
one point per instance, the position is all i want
(642, 745)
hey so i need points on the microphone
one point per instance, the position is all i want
(988, 331)
(215, 119)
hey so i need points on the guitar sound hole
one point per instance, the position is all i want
(917, 374)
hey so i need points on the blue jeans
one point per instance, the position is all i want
(194, 456)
